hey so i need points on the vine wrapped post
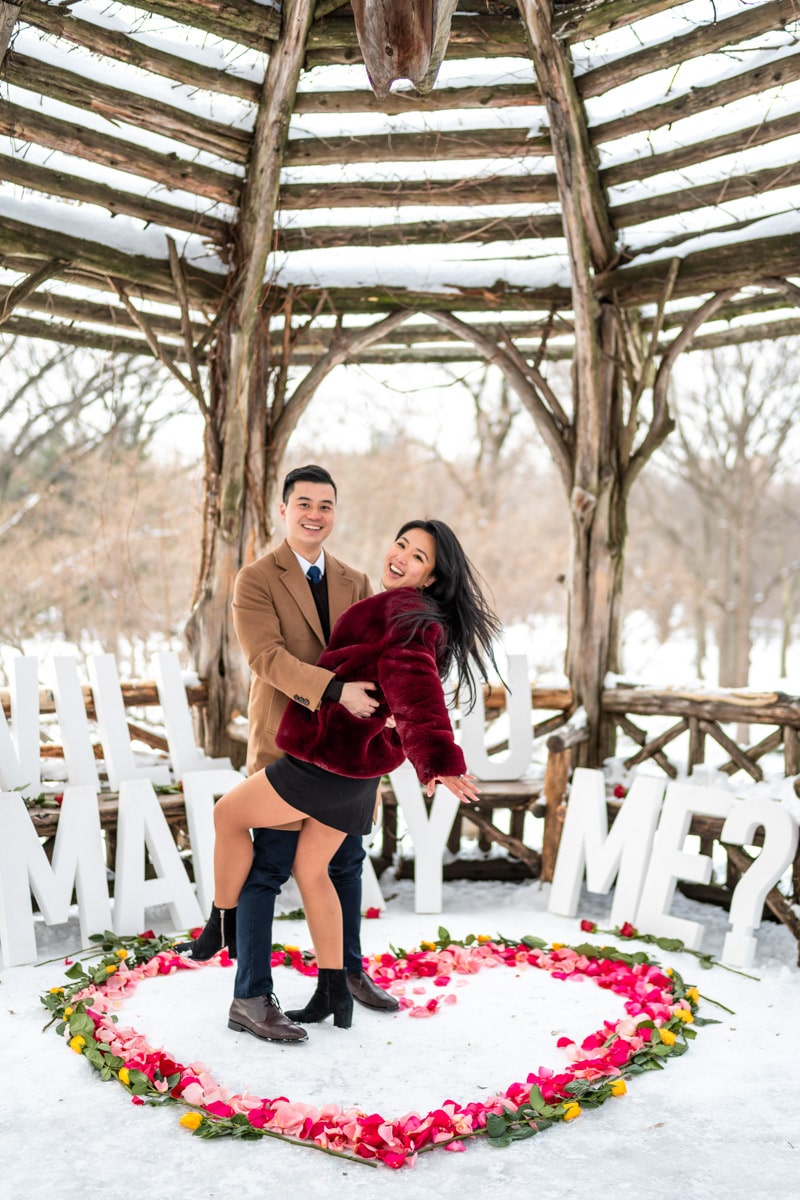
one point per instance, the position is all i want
(240, 464)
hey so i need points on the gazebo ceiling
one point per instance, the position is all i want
(127, 131)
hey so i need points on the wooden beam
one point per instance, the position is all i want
(479, 230)
(397, 103)
(63, 23)
(73, 187)
(168, 169)
(64, 307)
(701, 99)
(16, 295)
(435, 146)
(496, 189)
(131, 108)
(78, 335)
(646, 166)
(703, 39)
(150, 276)
(578, 20)
(254, 25)
(734, 265)
(708, 195)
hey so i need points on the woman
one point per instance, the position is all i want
(430, 618)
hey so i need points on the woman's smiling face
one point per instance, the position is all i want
(410, 561)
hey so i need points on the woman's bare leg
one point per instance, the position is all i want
(316, 847)
(252, 804)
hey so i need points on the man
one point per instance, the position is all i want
(283, 618)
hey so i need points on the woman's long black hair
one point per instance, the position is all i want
(456, 601)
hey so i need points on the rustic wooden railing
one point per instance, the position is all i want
(702, 715)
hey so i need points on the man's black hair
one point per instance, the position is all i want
(308, 474)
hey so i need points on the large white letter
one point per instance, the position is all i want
(585, 842)
(78, 861)
(515, 763)
(120, 762)
(184, 752)
(670, 862)
(19, 745)
(73, 722)
(141, 823)
(429, 835)
(200, 789)
(777, 853)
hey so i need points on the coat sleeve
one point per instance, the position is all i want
(258, 629)
(410, 682)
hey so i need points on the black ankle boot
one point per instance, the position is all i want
(332, 997)
(219, 931)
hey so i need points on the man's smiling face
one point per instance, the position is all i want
(309, 515)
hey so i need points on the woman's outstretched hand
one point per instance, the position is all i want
(462, 786)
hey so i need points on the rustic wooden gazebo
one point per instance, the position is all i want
(222, 185)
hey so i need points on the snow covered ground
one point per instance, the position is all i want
(719, 1123)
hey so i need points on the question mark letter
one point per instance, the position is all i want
(778, 851)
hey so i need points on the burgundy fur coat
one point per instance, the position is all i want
(367, 644)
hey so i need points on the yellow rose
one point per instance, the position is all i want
(572, 1111)
(56, 991)
(77, 1043)
(290, 950)
(667, 1037)
(192, 1120)
(618, 1087)
(123, 1075)
(69, 1011)
(431, 945)
(122, 954)
(483, 938)
(693, 995)
(110, 969)
(557, 946)
(683, 1014)
(669, 971)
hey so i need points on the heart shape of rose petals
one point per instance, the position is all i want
(658, 1014)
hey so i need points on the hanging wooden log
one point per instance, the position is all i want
(410, 30)
(403, 41)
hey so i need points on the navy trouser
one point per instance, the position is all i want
(273, 855)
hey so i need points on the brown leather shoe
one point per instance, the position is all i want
(366, 992)
(262, 1016)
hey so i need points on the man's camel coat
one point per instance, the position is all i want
(279, 630)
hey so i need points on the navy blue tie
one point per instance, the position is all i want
(313, 575)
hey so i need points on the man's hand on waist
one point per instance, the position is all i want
(357, 700)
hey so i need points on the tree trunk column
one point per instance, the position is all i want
(236, 478)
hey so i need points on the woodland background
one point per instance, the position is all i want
(100, 495)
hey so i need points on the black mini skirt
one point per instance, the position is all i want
(337, 800)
